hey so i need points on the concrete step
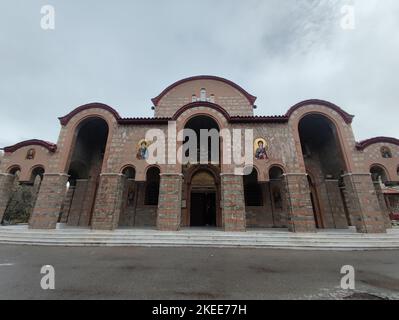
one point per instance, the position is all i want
(200, 238)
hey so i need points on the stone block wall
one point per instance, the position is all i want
(66, 207)
(108, 202)
(169, 206)
(6, 186)
(362, 203)
(49, 202)
(301, 217)
(233, 204)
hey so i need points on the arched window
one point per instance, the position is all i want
(30, 155)
(378, 174)
(276, 173)
(14, 170)
(152, 187)
(386, 153)
(129, 173)
(37, 172)
(252, 190)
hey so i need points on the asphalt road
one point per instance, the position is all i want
(193, 273)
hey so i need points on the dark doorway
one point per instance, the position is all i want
(203, 209)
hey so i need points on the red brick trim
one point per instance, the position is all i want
(248, 96)
(65, 119)
(346, 116)
(34, 142)
(365, 143)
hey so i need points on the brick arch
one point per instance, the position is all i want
(343, 138)
(251, 99)
(129, 166)
(67, 118)
(218, 114)
(13, 169)
(276, 165)
(348, 118)
(195, 169)
(383, 167)
(72, 131)
(31, 171)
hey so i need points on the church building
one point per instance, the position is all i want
(307, 170)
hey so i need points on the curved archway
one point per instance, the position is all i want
(37, 171)
(204, 197)
(14, 170)
(127, 216)
(152, 186)
(379, 173)
(201, 140)
(325, 163)
(84, 168)
(129, 172)
(276, 172)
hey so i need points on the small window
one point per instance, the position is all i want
(386, 153)
(30, 155)
(397, 171)
(203, 94)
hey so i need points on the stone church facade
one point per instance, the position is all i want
(313, 174)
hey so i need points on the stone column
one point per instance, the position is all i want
(77, 203)
(336, 204)
(169, 204)
(362, 203)
(6, 187)
(383, 205)
(108, 202)
(233, 204)
(49, 201)
(300, 210)
(66, 207)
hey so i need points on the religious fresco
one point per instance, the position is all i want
(260, 148)
(142, 152)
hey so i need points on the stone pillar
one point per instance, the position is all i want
(383, 205)
(6, 188)
(336, 204)
(108, 203)
(362, 203)
(233, 204)
(300, 210)
(66, 207)
(77, 203)
(169, 204)
(49, 201)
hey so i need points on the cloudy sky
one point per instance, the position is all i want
(123, 53)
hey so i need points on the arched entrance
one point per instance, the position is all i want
(84, 169)
(201, 190)
(204, 199)
(325, 164)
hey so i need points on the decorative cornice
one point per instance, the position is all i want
(251, 99)
(365, 143)
(34, 142)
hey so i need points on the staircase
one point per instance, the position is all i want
(278, 239)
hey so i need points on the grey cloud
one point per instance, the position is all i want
(123, 53)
